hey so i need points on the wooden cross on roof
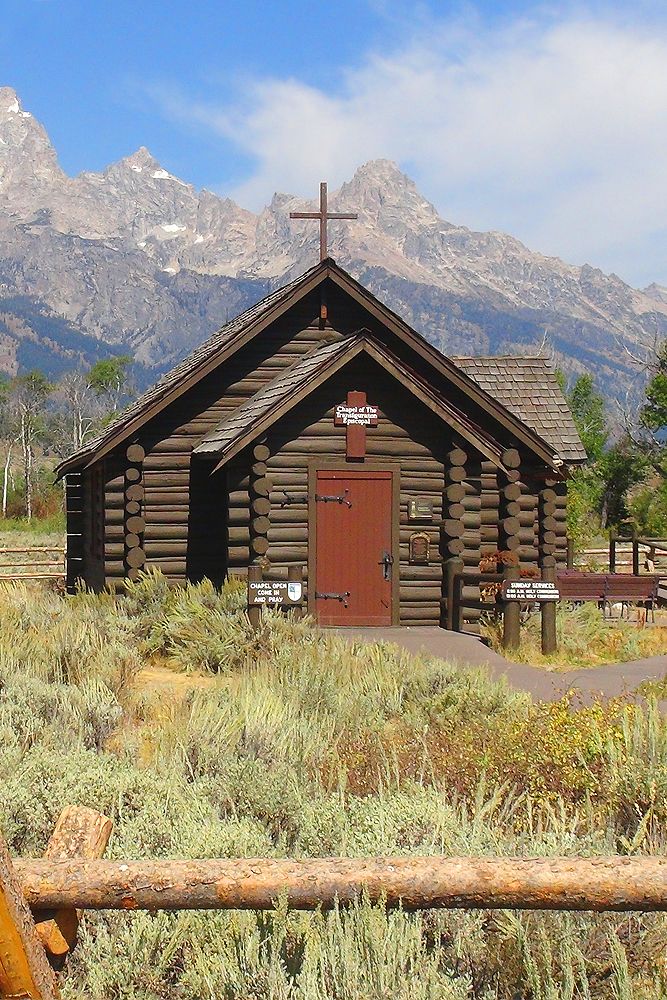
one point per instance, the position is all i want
(323, 215)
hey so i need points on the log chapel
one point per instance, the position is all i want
(318, 429)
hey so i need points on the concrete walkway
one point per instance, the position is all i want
(545, 685)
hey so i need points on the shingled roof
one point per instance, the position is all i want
(188, 367)
(528, 387)
(534, 418)
(290, 386)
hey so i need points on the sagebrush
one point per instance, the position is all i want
(302, 743)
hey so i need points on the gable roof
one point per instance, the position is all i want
(292, 385)
(216, 348)
(249, 324)
(528, 387)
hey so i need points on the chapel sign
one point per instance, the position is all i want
(364, 415)
(355, 415)
(274, 592)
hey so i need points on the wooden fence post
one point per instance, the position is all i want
(511, 613)
(79, 833)
(635, 553)
(453, 567)
(549, 637)
(612, 550)
(570, 553)
(24, 968)
(254, 613)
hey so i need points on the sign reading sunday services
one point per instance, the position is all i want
(530, 591)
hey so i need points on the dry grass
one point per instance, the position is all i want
(585, 639)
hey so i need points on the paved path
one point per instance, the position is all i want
(466, 650)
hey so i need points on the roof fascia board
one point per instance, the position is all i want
(444, 366)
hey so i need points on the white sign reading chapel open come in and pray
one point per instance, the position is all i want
(363, 416)
(264, 592)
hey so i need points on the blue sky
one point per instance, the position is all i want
(548, 122)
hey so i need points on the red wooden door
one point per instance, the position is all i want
(353, 568)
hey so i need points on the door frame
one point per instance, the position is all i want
(316, 465)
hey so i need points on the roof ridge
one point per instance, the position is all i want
(499, 357)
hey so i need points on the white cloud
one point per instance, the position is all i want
(552, 129)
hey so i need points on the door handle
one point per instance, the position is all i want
(386, 562)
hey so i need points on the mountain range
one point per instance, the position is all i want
(135, 260)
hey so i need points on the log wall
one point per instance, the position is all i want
(184, 507)
(195, 524)
(409, 437)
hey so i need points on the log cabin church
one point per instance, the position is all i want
(318, 429)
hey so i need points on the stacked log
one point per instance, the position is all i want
(74, 506)
(547, 524)
(560, 517)
(134, 526)
(527, 514)
(452, 506)
(546, 529)
(259, 491)
(452, 528)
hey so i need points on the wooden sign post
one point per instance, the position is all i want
(24, 968)
(287, 594)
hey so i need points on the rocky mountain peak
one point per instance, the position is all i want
(140, 165)
(10, 103)
(139, 161)
(386, 197)
(657, 292)
(134, 255)
(28, 161)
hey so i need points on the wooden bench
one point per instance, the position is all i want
(625, 590)
(609, 588)
(579, 587)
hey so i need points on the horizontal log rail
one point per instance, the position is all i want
(34, 548)
(51, 568)
(615, 883)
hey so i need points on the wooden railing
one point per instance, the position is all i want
(509, 608)
(623, 551)
(49, 564)
(459, 604)
(41, 900)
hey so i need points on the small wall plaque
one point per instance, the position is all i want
(420, 510)
(420, 548)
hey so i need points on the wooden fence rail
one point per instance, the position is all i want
(41, 900)
(615, 883)
(41, 568)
